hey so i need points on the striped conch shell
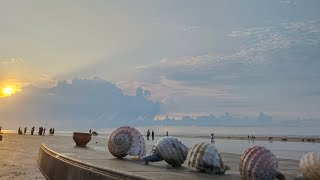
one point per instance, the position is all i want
(169, 149)
(310, 166)
(205, 157)
(259, 163)
(126, 141)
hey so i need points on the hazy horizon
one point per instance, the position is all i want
(142, 63)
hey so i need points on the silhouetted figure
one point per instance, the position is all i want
(19, 131)
(52, 130)
(44, 131)
(40, 131)
(90, 131)
(167, 133)
(25, 130)
(148, 134)
(252, 137)
(32, 130)
(212, 138)
(152, 135)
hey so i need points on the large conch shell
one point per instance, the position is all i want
(169, 149)
(259, 163)
(205, 157)
(310, 166)
(126, 141)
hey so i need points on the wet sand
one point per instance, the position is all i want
(273, 138)
(18, 156)
(261, 138)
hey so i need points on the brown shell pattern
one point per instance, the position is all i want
(126, 141)
(205, 157)
(310, 166)
(259, 163)
(171, 150)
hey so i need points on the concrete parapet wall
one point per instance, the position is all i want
(55, 166)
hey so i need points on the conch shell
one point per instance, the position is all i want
(169, 149)
(259, 163)
(126, 141)
(310, 166)
(205, 157)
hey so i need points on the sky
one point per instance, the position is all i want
(159, 58)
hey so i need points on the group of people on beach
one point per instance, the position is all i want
(41, 131)
(152, 134)
(148, 134)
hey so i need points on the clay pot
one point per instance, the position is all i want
(81, 139)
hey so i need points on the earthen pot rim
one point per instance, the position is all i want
(82, 133)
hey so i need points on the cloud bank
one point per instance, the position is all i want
(79, 104)
(96, 103)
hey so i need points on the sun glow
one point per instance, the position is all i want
(10, 87)
(8, 91)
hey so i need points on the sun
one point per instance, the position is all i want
(8, 91)
(9, 88)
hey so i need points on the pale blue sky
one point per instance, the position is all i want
(196, 57)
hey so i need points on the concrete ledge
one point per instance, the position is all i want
(55, 166)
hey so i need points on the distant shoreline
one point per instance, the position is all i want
(306, 139)
(259, 138)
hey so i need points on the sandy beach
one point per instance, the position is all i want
(271, 138)
(256, 138)
(19, 156)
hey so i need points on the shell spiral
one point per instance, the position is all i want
(169, 149)
(310, 165)
(126, 141)
(259, 163)
(205, 157)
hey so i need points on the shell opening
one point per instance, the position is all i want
(280, 176)
(152, 158)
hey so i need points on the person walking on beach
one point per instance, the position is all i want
(152, 135)
(167, 133)
(212, 138)
(40, 131)
(90, 131)
(32, 130)
(148, 134)
(25, 130)
(52, 130)
(44, 131)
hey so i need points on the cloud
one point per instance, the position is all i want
(196, 60)
(44, 80)
(190, 28)
(82, 103)
(11, 61)
(271, 63)
(289, 2)
(226, 119)
(273, 46)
